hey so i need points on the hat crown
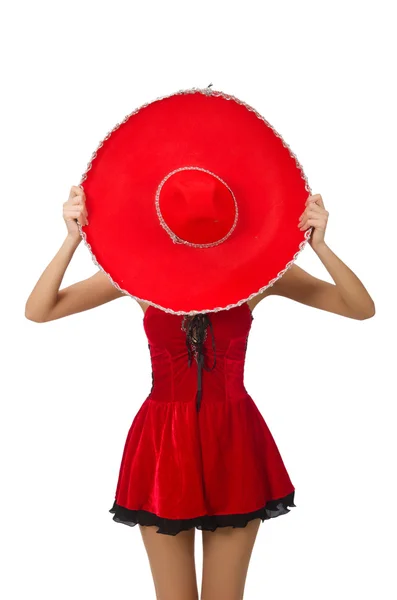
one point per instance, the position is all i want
(196, 207)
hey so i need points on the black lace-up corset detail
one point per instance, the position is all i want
(196, 334)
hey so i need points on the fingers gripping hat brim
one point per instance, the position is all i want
(212, 131)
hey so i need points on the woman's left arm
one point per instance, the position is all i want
(347, 296)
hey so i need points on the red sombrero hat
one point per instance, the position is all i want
(193, 203)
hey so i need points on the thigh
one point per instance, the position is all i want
(171, 559)
(226, 555)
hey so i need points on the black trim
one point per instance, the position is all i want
(273, 508)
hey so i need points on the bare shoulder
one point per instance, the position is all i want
(259, 297)
(144, 305)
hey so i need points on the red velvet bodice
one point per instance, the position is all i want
(174, 379)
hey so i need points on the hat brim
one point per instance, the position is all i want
(213, 131)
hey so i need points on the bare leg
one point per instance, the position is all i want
(226, 556)
(171, 560)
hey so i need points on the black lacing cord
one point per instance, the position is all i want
(195, 337)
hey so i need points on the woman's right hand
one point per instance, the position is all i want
(74, 209)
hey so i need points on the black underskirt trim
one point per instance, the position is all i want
(273, 508)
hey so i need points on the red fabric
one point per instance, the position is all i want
(180, 463)
(211, 132)
(197, 207)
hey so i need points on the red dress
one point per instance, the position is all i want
(199, 452)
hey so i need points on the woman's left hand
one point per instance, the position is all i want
(314, 216)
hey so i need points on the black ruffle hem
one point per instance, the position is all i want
(273, 508)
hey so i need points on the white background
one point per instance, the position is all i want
(323, 74)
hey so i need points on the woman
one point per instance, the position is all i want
(227, 550)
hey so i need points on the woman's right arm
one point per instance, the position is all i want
(46, 301)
